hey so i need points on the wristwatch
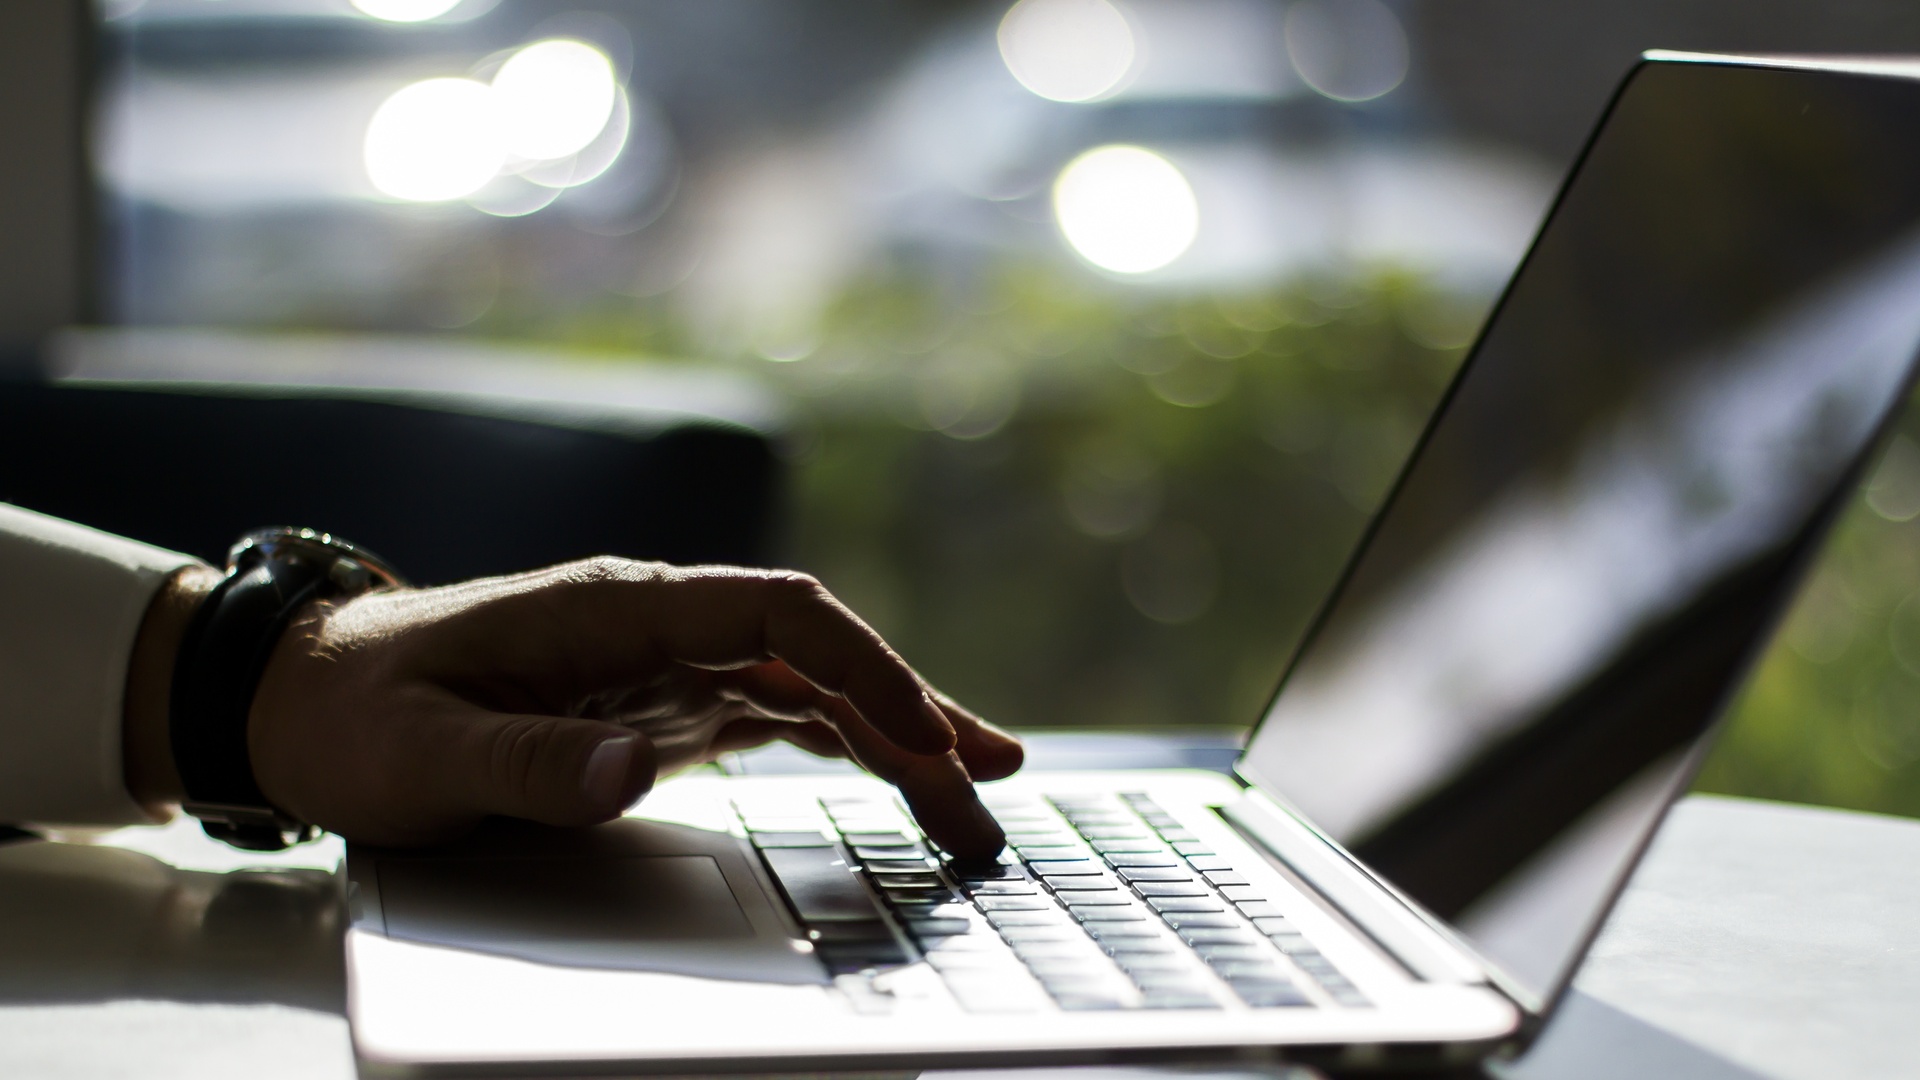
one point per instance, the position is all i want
(271, 575)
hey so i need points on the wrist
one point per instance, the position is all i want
(147, 753)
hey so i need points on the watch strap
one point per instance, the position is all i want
(222, 656)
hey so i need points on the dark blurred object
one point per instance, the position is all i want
(445, 495)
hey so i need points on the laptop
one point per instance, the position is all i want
(1518, 671)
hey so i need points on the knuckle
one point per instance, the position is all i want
(599, 568)
(514, 754)
(602, 570)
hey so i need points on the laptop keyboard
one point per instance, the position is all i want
(1101, 902)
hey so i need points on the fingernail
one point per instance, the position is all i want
(606, 770)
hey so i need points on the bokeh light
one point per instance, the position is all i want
(405, 11)
(1125, 209)
(435, 140)
(1067, 50)
(593, 159)
(554, 98)
(1348, 50)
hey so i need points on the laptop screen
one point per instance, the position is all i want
(1613, 503)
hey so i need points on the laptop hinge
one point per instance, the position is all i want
(1405, 934)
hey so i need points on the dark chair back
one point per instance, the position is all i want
(443, 495)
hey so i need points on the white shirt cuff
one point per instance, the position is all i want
(71, 603)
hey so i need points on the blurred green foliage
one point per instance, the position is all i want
(1832, 715)
(1085, 505)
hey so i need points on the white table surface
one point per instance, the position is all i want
(1758, 940)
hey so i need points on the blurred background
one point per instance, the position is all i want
(1087, 332)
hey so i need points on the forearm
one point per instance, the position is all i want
(151, 777)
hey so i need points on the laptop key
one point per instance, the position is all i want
(838, 933)
(976, 940)
(886, 832)
(1013, 903)
(856, 955)
(1241, 894)
(1100, 880)
(1260, 909)
(1167, 979)
(1121, 931)
(902, 853)
(1291, 944)
(1106, 913)
(1078, 898)
(978, 875)
(1154, 873)
(1171, 888)
(1052, 868)
(1148, 956)
(1272, 996)
(1249, 971)
(1115, 832)
(819, 885)
(973, 873)
(1226, 877)
(1143, 858)
(1037, 834)
(1208, 936)
(1275, 925)
(1104, 979)
(1186, 903)
(971, 962)
(1075, 959)
(1176, 999)
(1054, 963)
(931, 928)
(919, 897)
(1051, 854)
(1003, 887)
(1103, 813)
(1203, 920)
(1143, 845)
(1315, 964)
(896, 876)
(877, 839)
(791, 840)
(995, 998)
(1060, 931)
(1251, 953)
(1194, 847)
(942, 910)
(1001, 919)
(1209, 862)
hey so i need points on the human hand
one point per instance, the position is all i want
(561, 695)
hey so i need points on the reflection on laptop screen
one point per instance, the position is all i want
(1614, 502)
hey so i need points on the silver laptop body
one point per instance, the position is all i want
(1520, 669)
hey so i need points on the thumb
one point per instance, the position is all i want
(556, 770)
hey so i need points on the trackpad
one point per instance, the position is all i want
(672, 913)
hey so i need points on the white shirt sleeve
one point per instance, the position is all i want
(71, 602)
